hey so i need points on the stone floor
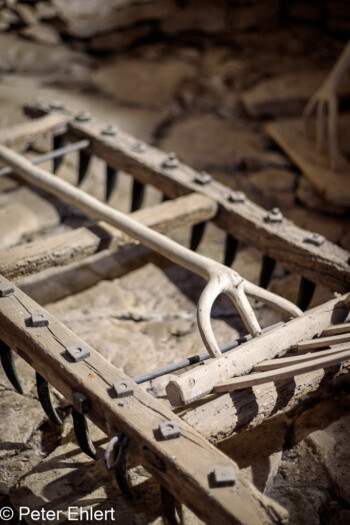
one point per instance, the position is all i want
(209, 104)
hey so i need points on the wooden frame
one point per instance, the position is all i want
(179, 464)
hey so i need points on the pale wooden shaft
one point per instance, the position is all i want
(199, 381)
(22, 134)
(342, 328)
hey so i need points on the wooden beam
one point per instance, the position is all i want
(222, 416)
(249, 380)
(80, 243)
(245, 221)
(343, 328)
(20, 135)
(183, 465)
(200, 381)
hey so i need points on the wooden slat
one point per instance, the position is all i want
(78, 244)
(222, 416)
(273, 364)
(183, 465)
(22, 134)
(342, 328)
(245, 221)
(321, 342)
(199, 381)
(237, 383)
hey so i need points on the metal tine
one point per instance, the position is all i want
(267, 269)
(197, 235)
(111, 181)
(121, 475)
(84, 162)
(168, 506)
(230, 250)
(59, 141)
(165, 198)
(306, 292)
(42, 387)
(138, 193)
(8, 364)
(82, 434)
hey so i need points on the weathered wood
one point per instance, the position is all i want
(22, 134)
(321, 342)
(78, 244)
(183, 465)
(273, 364)
(237, 383)
(332, 185)
(338, 329)
(284, 242)
(222, 416)
(199, 381)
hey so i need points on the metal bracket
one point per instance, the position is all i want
(77, 352)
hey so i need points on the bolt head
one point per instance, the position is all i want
(39, 319)
(83, 116)
(123, 388)
(56, 104)
(110, 130)
(6, 289)
(171, 162)
(203, 178)
(77, 352)
(81, 403)
(315, 238)
(236, 196)
(274, 216)
(224, 476)
(139, 147)
(169, 430)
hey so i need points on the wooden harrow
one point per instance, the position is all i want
(177, 448)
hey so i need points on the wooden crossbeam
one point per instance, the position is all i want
(245, 221)
(183, 465)
(80, 243)
(199, 381)
(342, 328)
(22, 134)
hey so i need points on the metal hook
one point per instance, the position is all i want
(42, 387)
(81, 406)
(138, 193)
(197, 235)
(111, 181)
(8, 364)
(118, 445)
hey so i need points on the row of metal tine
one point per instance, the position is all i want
(81, 406)
(61, 149)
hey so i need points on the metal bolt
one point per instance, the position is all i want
(224, 476)
(56, 104)
(203, 178)
(315, 238)
(110, 130)
(171, 162)
(39, 319)
(77, 352)
(6, 289)
(169, 430)
(123, 388)
(236, 196)
(139, 147)
(81, 403)
(274, 216)
(83, 116)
